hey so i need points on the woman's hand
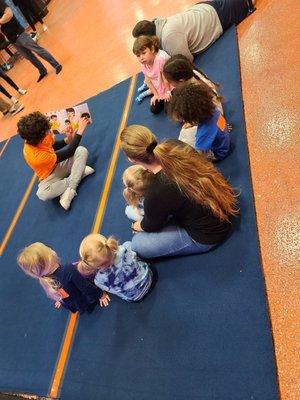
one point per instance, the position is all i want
(57, 304)
(104, 300)
(136, 226)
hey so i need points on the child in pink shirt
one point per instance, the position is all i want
(152, 60)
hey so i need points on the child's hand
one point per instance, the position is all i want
(82, 124)
(104, 300)
(57, 304)
(168, 96)
(136, 227)
(153, 100)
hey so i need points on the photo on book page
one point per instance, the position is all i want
(65, 121)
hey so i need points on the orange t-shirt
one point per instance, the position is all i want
(41, 158)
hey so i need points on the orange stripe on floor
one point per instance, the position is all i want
(4, 147)
(17, 215)
(71, 326)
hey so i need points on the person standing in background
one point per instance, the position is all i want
(33, 11)
(24, 43)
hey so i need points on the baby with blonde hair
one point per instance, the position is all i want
(118, 269)
(62, 283)
(136, 180)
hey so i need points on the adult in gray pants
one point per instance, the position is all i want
(58, 165)
(194, 30)
(23, 42)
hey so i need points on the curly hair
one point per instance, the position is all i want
(143, 42)
(33, 127)
(144, 28)
(192, 103)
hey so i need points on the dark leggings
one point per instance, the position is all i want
(231, 12)
(157, 107)
(32, 25)
(9, 81)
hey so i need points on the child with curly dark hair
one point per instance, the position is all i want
(58, 165)
(204, 126)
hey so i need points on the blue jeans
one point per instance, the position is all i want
(172, 240)
(27, 47)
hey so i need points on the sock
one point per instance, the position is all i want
(142, 88)
(142, 95)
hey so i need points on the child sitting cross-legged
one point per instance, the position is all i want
(136, 180)
(203, 125)
(116, 268)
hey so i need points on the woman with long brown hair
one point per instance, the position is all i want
(189, 204)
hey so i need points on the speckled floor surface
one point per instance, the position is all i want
(269, 41)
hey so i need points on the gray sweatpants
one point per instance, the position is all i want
(26, 46)
(67, 173)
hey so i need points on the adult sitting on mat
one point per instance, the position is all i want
(188, 205)
(59, 166)
(192, 31)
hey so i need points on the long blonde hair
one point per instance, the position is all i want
(40, 261)
(96, 252)
(195, 176)
(136, 180)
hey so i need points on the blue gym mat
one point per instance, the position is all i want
(202, 334)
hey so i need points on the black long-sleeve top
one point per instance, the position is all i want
(164, 199)
(63, 150)
(78, 292)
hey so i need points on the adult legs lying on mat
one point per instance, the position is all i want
(171, 241)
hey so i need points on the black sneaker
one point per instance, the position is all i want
(42, 76)
(58, 69)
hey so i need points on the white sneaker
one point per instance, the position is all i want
(87, 171)
(67, 197)
(14, 100)
(22, 91)
(16, 108)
